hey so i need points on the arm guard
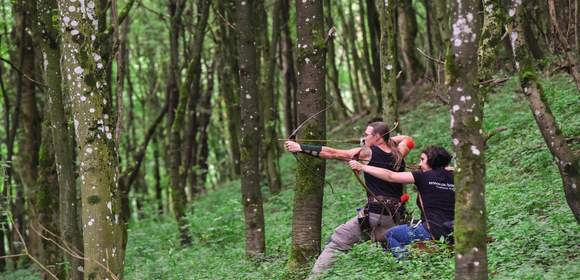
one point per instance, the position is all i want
(313, 150)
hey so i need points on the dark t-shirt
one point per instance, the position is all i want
(378, 186)
(438, 193)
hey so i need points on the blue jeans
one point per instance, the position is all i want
(399, 236)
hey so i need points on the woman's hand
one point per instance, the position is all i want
(355, 165)
(292, 147)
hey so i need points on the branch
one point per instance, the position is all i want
(122, 16)
(493, 132)
(22, 73)
(430, 57)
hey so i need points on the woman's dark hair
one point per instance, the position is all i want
(382, 128)
(437, 157)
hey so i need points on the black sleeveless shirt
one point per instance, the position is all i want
(381, 187)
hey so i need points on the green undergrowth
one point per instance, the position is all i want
(534, 235)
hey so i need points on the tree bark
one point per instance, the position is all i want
(433, 38)
(270, 107)
(308, 193)
(228, 77)
(45, 206)
(85, 73)
(250, 134)
(205, 113)
(333, 75)
(62, 142)
(568, 163)
(468, 142)
(288, 70)
(407, 22)
(388, 52)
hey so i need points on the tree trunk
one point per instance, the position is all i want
(407, 22)
(288, 70)
(308, 193)
(433, 38)
(228, 78)
(490, 42)
(466, 123)
(333, 75)
(568, 163)
(270, 107)
(205, 112)
(350, 56)
(176, 171)
(571, 57)
(45, 206)
(157, 176)
(388, 51)
(192, 88)
(91, 107)
(372, 71)
(62, 143)
(250, 134)
(374, 34)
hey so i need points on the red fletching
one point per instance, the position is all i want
(410, 143)
(404, 197)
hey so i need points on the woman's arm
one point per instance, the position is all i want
(385, 174)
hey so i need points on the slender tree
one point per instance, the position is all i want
(388, 55)
(308, 193)
(228, 77)
(568, 163)
(84, 74)
(288, 69)
(249, 147)
(333, 76)
(407, 20)
(468, 143)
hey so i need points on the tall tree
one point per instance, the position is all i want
(270, 111)
(85, 81)
(333, 76)
(288, 69)
(568, 163)
(466, 123)
(308, 193)
(388, 56)
(250, 134)
(61, 146)
(407, 20)
(228, 77)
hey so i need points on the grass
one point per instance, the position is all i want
(535, 235)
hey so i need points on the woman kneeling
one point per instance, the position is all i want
(436, 198)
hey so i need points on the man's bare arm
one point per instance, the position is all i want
(322, 151)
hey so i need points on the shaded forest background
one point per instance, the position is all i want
(129, 112)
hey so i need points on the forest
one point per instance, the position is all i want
(199, 139)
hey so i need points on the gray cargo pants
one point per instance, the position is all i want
(345, 236)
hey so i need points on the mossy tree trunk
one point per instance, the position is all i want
(228, 78)
(46, 205)
(288, 69)
(333, 75)
(250, 130)
(308, 193)
(62, 143)
(176, 115)
(28, 140)
(407, 21)
(84, 76)
(490, 42)
(270, 111)
(388, 54)
(468, 142)
(568, 163)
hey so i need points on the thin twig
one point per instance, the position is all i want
(430, 57)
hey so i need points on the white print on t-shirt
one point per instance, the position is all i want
(443, 186)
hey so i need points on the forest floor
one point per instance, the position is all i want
(534, 233)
